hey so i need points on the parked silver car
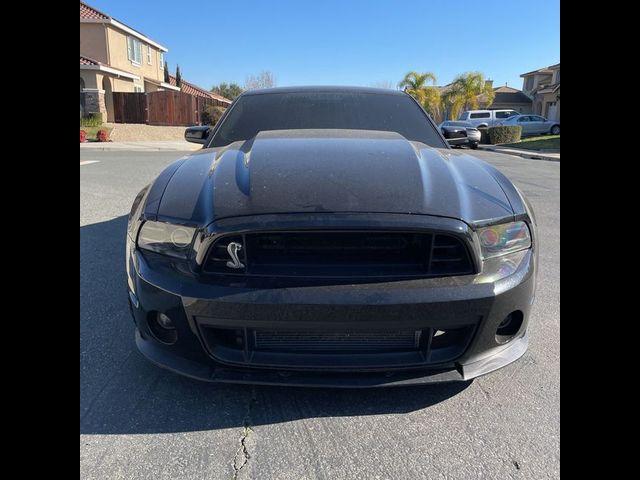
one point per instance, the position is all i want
(533, 124)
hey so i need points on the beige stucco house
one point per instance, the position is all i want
(543, 87)
(115, 58)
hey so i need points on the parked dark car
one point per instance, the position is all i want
(460, 133)
(330, 237)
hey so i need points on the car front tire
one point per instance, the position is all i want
(555, 130)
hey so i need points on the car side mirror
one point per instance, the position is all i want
(197, 134)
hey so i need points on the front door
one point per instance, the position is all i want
(553, 111)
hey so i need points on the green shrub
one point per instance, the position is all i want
(484, 135)
(505, 134)
(211, 114)
(93, 120)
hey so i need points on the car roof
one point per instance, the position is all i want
(323, 89)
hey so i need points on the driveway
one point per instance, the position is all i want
(139, 421)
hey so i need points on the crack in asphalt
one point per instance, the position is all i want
(242, 455)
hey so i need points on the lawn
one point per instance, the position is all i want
(92, 131)
(545, 143)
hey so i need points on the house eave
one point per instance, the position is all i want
(168, 86)
(129, 30)
(113, 71)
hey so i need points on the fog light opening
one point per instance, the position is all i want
(509, 327)
(162, 328)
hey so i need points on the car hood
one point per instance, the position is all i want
(356, 171)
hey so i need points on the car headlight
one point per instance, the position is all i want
(165, 238)
(504, 238)
(503, 248)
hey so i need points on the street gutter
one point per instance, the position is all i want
(552, 157)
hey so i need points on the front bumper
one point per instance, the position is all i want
(460, 141)
(438, 303)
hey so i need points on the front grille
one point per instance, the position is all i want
(299, 348)
(342, 254)
(336, 341)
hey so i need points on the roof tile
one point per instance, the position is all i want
(88, 61)
(192, 89)
(89, 12)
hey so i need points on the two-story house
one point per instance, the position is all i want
(115, 58)
(543, 87)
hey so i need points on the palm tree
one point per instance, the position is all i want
(464, 91)
(415, 84)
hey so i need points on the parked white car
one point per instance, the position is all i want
(486, 118)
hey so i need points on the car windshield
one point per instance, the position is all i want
(252, 114)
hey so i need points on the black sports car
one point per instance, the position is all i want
(330, 237)
(460, 133)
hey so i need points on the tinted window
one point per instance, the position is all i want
(507, 114)
(463, 116)
(332, 110)
(481, 115)
(537, 119)
(523, 119)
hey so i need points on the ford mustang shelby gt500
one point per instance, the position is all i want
(328, 236)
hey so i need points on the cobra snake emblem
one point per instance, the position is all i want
(233, 248)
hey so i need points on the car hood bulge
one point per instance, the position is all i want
(355, 171)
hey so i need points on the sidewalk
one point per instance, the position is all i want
(553, 157)
(149, 146)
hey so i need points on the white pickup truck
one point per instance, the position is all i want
(486, 118)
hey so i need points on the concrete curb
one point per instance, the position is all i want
(551, 157)
(141, 146)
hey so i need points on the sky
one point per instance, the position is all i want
(346, 42)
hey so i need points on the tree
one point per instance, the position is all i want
(178, 76)
(464, 91)
(415, 84)
(227, 90)
(211, 114)
(166, 72)
(264, 80)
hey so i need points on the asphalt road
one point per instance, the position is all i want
(139, 421)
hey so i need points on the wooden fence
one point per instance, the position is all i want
(165, 107)
(129, 107)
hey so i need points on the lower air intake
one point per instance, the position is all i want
(336, 341)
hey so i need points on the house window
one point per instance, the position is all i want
(529, 84)
(134, 50)
(149, 54)
(558, 76)
(161, 59)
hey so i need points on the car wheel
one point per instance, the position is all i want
(473, 146)
(555, 130)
